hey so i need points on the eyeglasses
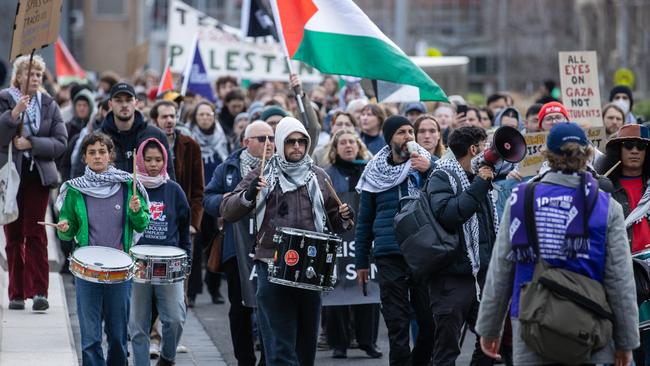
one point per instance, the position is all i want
(263, 138)
(640, 145)
(301, 142)
(556, 118)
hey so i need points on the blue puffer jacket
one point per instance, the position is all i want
(375, 222)
(225, 178)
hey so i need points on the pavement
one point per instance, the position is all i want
(52, 337)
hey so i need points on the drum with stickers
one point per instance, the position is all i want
(304, 259)
(644, 307)
(101, 264)
(159, 264)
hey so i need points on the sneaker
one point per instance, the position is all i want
(17, 304)
(218, 299)
(40, 303)
(181, 349)
(154, 350)
(371, 350)
(339, 353)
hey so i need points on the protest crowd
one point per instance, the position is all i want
(270, 186)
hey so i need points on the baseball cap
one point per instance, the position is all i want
(415, 106)
(122, 88)
(565, 132)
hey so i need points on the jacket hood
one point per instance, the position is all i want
(89, 97)
(499, 116)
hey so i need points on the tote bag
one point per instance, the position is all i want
(9, 182)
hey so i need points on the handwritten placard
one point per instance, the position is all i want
(580, 88)
(36, 25)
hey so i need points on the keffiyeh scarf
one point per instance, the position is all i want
(247, 163)
(641, 211)
(380, 176)
(33, 109)
(215, 143)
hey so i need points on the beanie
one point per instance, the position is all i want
(551, 107)
(562, 133)
(391, 124)
(621, 89)
(273, 111)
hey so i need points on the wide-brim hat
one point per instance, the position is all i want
(631, 132)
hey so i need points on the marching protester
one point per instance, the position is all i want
(562, 230)
(394, 172)
(127, 127)
(100, 208)
(621, 96)
(31, 126)
(340, 120)
(224, 180)
(630, 179)
(532, 121)
(371, 122)
(428, 135)
(348, 156)
(414, 110)
(169, 224)
(213, 142)
(288, 317)
(613, 119)
(461, 201)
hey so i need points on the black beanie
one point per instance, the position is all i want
(391, 124)
(621, 89)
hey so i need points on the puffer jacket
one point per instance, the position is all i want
(48, 144)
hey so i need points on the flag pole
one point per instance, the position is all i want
(297, 91)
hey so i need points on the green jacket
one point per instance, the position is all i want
(74, 210)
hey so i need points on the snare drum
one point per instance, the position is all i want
(304, 259)
(101, 264)
(159, 264)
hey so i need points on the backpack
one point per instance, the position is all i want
(426, 246)
(564, 316)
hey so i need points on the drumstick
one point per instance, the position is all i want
(612, 169)
(336, 197)
(135, 173)
(266, 140)
(47, 223)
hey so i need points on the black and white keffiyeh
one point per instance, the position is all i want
(471, 226)
(641, 211)
(247, 162)
(379, 175)
(215, 143)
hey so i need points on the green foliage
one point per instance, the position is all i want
(475, 99)
(642, 108)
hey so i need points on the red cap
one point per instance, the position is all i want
(551, 107)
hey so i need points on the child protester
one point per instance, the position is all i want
(101, 209)
(169, 224)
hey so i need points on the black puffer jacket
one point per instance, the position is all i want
(126, 141)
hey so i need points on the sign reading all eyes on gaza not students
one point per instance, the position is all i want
(222, 51)
(580, 87)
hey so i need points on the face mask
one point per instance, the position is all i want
(623, 104)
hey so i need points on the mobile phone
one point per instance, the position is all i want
(461, 108)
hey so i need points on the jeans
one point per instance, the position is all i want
(400, 295)
(108, 303)
(170, 302)
(289, 319)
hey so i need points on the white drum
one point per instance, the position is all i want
(159, 264)
(101, 264)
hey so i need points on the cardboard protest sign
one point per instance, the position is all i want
(36, 25)
(222, 50)
(580, 88)
(137, 57)
(535, 141)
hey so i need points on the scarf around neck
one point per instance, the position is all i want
(144, 177)
(470, 227)
(289, 177)
(576, 237)
(33, 109)
(379, 175)
(211, 144)
(641, 211)
(247, 163)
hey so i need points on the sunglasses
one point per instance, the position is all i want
(263, 138)
(640, 145)
(291, 142)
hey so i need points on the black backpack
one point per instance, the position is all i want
(427, 247)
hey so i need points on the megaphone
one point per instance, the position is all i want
(507, 144)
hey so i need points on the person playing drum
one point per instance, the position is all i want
(291, 192)
(630, 180)
(100, 208)
(169, 224)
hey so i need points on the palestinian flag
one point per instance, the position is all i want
(336, 37)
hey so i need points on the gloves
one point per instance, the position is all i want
(251, 192)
